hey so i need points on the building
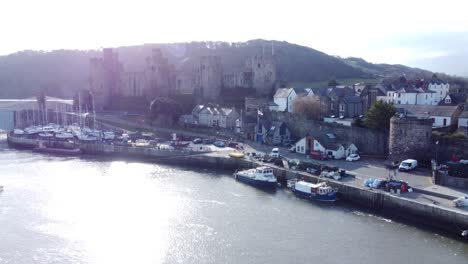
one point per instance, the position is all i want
(211, 116)
(283, 98)
(208, 78)
(441, 116)
(439, 87)
(350, 106)
(463, 123)
(105, 78)
(326, 144)
(454, 99)
(412, 96)
(160, 75)
(409, 138)
(109, 82)
(275, 133)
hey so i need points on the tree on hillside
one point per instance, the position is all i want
(378, 116)
(333, 83)
(308, 107)
(165, 110)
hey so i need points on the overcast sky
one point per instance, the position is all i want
(429, 34)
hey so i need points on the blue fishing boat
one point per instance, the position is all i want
(261, 177)
(318, 192)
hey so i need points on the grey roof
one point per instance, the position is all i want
(320, 91)
(329, 142)
(283, 92)
(426, 110)
(300, 90)
(456, 98)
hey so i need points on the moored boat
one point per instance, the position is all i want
(261, 177)
(318, 192)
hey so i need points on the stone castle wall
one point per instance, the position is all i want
(409, 138)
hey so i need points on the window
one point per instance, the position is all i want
(399, 95)
(445, 121)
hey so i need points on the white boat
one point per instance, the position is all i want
(319, 191)
(461, 201)
(46, 135)
(109, 135)
(18, 132)
(64, 135)
(261, 177)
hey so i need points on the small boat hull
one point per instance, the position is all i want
(329, 197)
(59, 151)
(256, 183)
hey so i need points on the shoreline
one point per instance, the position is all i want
(449, 220)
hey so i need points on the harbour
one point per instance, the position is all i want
(114, 211)
(449, 220)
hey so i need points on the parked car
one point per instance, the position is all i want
(275, 153)
(219, 144)
(407, 165)
(318, 155)
(197, 141)
(353, 157)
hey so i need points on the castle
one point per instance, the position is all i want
(205, 79)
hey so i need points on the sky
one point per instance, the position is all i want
(428, 34)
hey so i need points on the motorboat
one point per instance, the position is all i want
(314, 191)
(261, 177)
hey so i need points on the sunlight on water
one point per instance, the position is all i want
(114, 218)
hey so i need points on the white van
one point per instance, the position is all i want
(407, 165)
(275, 153)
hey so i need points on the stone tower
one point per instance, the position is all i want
(210, 78)
(160, 75)
(263, 74)
(105, 78)
(409, 138)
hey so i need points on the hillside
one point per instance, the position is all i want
(63, 72)
(383, 70)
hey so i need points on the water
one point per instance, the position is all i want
(71, 210)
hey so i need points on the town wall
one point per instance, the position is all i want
(409, 138)
(366, 140)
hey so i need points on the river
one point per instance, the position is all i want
(90, 210)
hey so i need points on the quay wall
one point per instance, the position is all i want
(447, 219)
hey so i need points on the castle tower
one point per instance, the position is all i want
(210, 77)
(263, 74)
(160, 75)
(105, 78)
(409, 138)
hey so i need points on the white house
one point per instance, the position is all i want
(326, 144)
(463, 123)
(283, 98)
(412, 96)
(442, 115)
(302, 146)
(440, 89)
